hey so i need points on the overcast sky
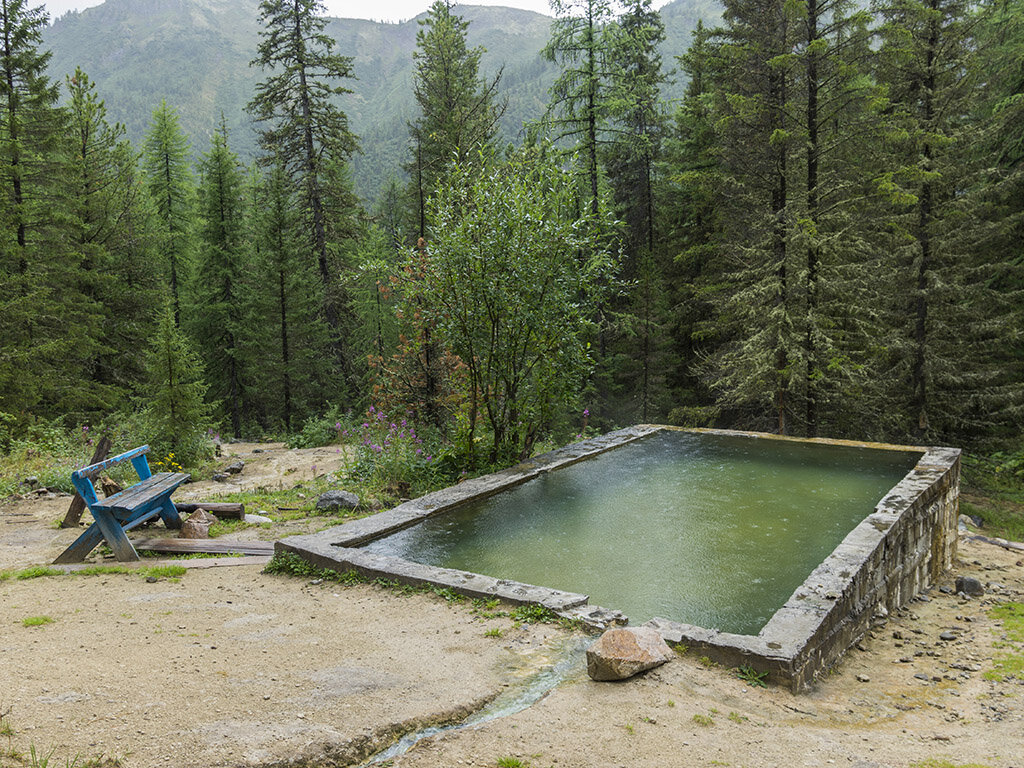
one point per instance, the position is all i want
(379, 10)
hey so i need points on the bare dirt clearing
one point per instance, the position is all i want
(228, 666)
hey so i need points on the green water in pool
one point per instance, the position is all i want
(712, 530)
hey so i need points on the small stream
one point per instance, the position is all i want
(520, 695)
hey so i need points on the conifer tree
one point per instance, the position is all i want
(48, 323)
(953, 321)
(459, 111)
(291, 359)
(169, 180)
(110, 229)
(175, 413)
(302, 126)
(635, 127)
(577, 111)
(219, 316)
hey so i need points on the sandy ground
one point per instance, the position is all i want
(231, 667)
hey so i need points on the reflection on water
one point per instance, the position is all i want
(710, 530)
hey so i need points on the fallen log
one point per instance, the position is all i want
(231, 510)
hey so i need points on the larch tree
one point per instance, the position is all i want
(577, 111)
(301, 125)
(169, 180)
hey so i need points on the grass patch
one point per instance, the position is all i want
(156, 571)
(704, 720)
(511, 762)
(994, 487)
(36, 621)
(35, 572)
(940, 763)
(1009, 665)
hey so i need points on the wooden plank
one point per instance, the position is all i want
(142, 493)
(208, 546)
(74, 513)
(229, 509)
(94, 469)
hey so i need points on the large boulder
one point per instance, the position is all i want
(337, 500)
(627, 651)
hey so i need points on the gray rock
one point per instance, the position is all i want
(969, 586)
(235, 468)
(863, 679)
(257, 519)
(947, 636)
(220, 477)
(622, 653)
(337, 500)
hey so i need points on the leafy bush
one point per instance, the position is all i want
(331, 428)
(392, 456)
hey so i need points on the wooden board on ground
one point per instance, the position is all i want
(231, 510)
(207, 546)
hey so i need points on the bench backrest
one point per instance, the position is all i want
(83, 478)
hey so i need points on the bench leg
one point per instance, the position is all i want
(81, 546)
(112, 531)
(169, 514)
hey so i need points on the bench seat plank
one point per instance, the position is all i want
(142, 493)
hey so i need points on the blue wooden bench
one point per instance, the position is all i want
(114, 515)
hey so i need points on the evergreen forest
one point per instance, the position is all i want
(808, 220)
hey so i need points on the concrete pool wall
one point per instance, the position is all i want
(899, 549)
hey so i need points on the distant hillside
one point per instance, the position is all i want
(196, 53)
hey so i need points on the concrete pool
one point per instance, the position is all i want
(857, 544)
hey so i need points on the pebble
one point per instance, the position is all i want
(947, 636)
(863, 679)
(923, 676)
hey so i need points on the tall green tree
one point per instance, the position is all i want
(218, 323)
(301, 125)
(290, 358)
(949, 319)
(459, 110)
(577, 110)
(169, 181)
(175, 413)
(111, 228)
(48, 323)
(636, 123)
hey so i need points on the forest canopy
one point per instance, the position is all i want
(822, 237)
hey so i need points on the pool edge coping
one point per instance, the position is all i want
(829, 612)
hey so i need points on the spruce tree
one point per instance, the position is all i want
(110, 228)
(636, 123)
(950, 321)
(459, 111)
(169, 181)
(49, 324)
(290, 359)
(218, 324)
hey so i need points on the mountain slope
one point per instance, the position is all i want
(196, 54)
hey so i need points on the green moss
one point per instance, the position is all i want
(36, 621)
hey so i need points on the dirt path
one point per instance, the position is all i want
(228, 666)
